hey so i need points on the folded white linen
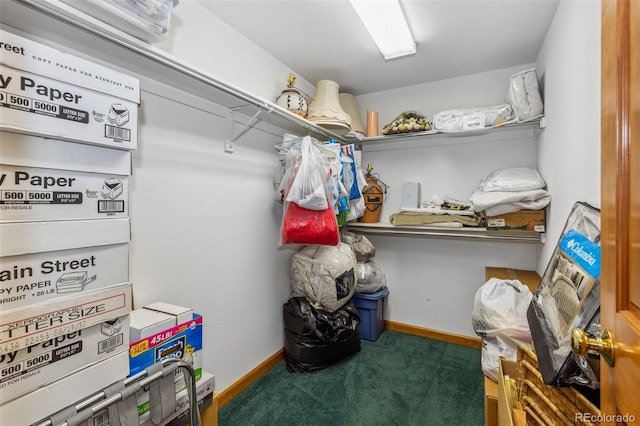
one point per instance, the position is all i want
(498, 202)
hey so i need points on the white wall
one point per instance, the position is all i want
(205, 41)
(205, 229)
(569, 147)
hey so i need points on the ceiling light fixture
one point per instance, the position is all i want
(387, 26)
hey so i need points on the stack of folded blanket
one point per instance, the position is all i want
(509, 190)
(438, 212)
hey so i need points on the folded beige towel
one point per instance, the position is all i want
(412, 218)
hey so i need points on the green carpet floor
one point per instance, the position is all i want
(400, 379)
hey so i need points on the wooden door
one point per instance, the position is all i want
(620, 192)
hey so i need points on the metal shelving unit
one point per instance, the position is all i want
(388, 229)
(530, 128)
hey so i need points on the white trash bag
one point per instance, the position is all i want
(500, 318)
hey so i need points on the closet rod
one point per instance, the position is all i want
(56, 12)
(97, 401)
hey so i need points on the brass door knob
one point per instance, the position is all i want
(581, 343)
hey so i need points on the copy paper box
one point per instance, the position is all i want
(27, 369)
(145, 323)
(19, 238)
(63, 185)
(176, 342)
(184, 417)
(38, 405)
(37, 105)
(21, 328)
(45, 261)
(28, 55)
(38, 278)
(180, 313)
(204, 387)
(526, 220)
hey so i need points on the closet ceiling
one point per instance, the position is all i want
(325, 39)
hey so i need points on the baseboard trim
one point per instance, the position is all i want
(474, 342)
(229, 393)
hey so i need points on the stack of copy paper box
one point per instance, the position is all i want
(67, 128)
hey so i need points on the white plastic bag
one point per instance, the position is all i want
(308, 187)
(500, 318)
(369, 277)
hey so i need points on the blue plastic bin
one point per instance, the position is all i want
(370, 307)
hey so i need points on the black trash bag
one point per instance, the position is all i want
(315, 338)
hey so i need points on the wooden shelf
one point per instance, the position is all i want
(382, 228)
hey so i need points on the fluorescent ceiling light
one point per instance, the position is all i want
(387, 25)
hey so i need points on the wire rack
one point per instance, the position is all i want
(86, 408)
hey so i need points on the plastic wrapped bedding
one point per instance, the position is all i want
(324, 274)
(512, 180)
(456, 120)
(362, 247)
(509, 190)
(524, 95)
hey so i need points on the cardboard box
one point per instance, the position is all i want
(529, 278)
(490, 402)
(21, 328)
(27, 369)
(39, 278)
(20, 238)
(508, 415)
(195, 361)
(25, 54)
(184, 418)
(178, 342)
(205, 387)
(44, 261)
(145, 323)
(44, 401)
(37, 105)
(65, 184)
(524, 220)
(180, 313)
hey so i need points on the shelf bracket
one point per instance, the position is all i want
(231, 138)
